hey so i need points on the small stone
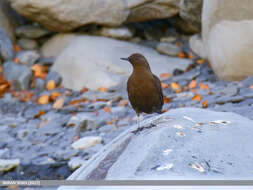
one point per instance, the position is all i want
(18, 75)
(27, 44)
(40, 84)
(7, 165)
(27, 57)
(46, 61)
(168, 49)
(83, 122)
(86, 142)
(75, 163)
(32, 32)
(118, 33)
(22, 134)
(4, 152)
(6, 48)
(56, 77)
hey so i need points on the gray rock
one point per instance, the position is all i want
(83, 121)
(22, 134)
(40, 84)
(76, 162)
(118, 33)
(7, 165)
(178, 149)
(28, 57)
(56, 77)
(18, 75)
(6, 48)
(168, 49)
(86, 142)
(31, 32)
(227, 98)
(4, 152)
(27, 44)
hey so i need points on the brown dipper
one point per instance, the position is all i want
(143, 87)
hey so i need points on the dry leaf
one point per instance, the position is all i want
(123, 103)
(200, 61)
(181, 55)
(39, 71)
(164, 85)
(166, 100)
(176, 87)
(15, 60)
(165, 75)
(110, 122)
(58, 103)
(22, 96)
(16, 48)
(43, 122)
(102, 89)
(54, 95)
(107, 109)
(40, 113)
(204, 86)
(181, 134)
(51, 85)
(190, 56)
(77, 101)
(197, 97)
(84, 89)
(44, 99)
(75, 138)
(204, 104)
(165, 110)
(193, 84)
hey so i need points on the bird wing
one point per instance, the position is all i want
(158, 84)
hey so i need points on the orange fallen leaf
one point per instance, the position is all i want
(16, 48)
(204, 104)
(190, 56)
(51, 85)
(251, 86)
(165, 75)
(102, 89)
(15, 60)
(77, 101)
(84, 89)
(58, 103)
(176, 87)
(54, 95)
(204, 86)
(107, 109)
(164, 85)
(123, 103)
(186, 88)
(165, 110)
(40, 113)
(166, 100)
(39, 71)
(200, 61)
(179, 44)
(44, 99)
(4, 87)
(109, 122)
(67, 92)
(22, 96)
(75, 138)
(193, 84)
(197, 97)
(211, 93)
(181, 55)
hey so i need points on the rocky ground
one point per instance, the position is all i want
(48, 131)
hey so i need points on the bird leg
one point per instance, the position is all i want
(138, 120)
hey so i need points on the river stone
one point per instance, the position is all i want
(7, 165)
(62, 16)
(27, 57)
(31, 32)
(86, 142)
(27, 44)
(81, 65)
(168, 49)
(18, 75)
(187, 143)
(118, 33)
(6, 48)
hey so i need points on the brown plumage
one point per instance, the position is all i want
(143, 87)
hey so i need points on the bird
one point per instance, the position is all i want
(143, 87)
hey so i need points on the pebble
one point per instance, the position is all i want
(18, 75)
(28, 57)
(86, 142)
(168, 49)
(119, 33)
(56, 77)
(76, 162)
(8, 164)
(6, 48)
(83, 121)
(27, 44)
(31, 32)
(40, 84)
(22, 134)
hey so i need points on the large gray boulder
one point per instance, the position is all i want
(186, 143)
(95, 62)
(7, 19)
(62, 16)
(226, 40)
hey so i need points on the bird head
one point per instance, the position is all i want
(137, 60)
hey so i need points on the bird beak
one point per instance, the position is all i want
(125, 59)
